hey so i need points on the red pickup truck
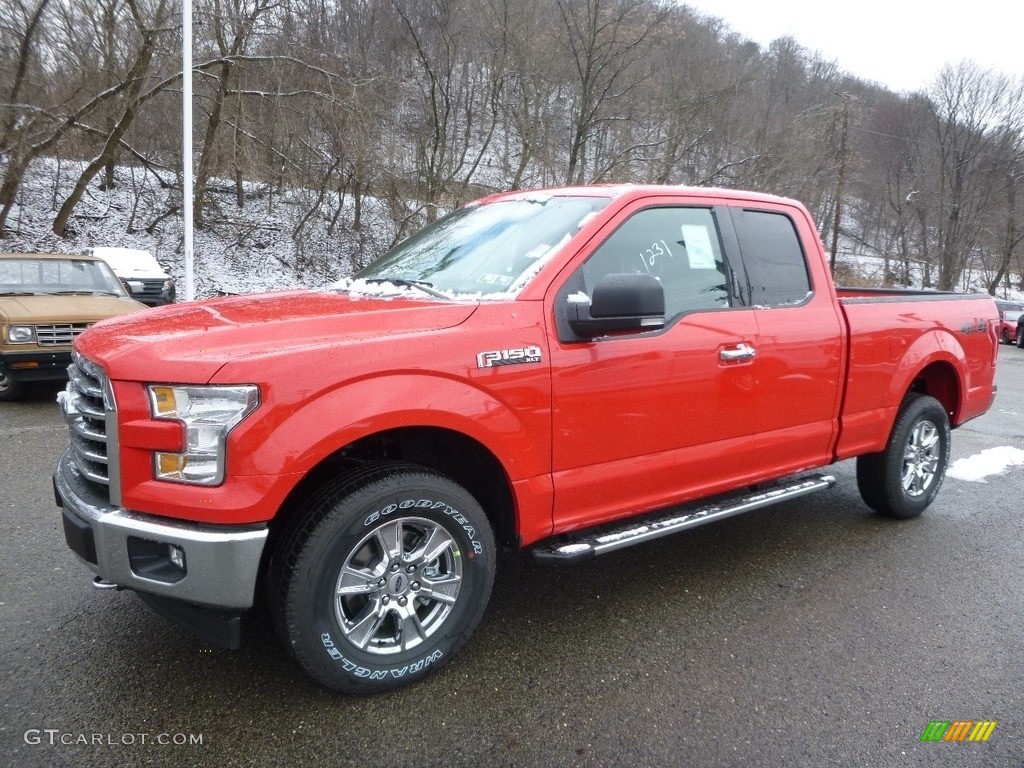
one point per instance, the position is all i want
(571, 371)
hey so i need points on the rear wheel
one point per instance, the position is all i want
(1020, 337)
(1006, 336)
(384, 578)
(11, 389)
(902, 480)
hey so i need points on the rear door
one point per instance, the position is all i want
(799, 335)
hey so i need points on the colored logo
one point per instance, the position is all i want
(958, 730)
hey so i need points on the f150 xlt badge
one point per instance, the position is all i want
(974, 327)
(509, 357)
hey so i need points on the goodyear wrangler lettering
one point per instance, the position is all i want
(429, 504)
(376, 674)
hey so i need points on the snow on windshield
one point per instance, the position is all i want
(479, 252)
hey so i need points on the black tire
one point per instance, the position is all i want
(407, 607)
(1006, 336)
(11, 390)
(902, 480)
(1020, 337)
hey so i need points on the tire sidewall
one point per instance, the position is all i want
(923, 409)
(11, 390)
(312, 618)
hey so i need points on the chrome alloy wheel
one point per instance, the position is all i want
(921, 458)
(398, 586)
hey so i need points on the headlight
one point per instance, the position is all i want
(209, 414)
(21, 334)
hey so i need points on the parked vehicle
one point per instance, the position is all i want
(1020, 332)
(571, 371)
(1009, 314)
(140, 273)
(45, 302)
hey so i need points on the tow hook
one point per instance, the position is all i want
(100, 583)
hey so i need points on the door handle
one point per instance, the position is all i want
(734, 354)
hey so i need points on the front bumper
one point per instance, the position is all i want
(130, 549)
(35, 366)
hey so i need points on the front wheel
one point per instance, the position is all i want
(1020, 337)
(903, 479)
(10, 389)
(383, 579)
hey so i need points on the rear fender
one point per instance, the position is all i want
(932, 365)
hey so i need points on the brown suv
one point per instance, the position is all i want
(45, 301)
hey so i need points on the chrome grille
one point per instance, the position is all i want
(59, 333)
(88, 408)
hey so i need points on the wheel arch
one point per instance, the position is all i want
(461, 458)
(939, 379)
(932, 365)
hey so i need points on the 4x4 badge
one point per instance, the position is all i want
(509, 357)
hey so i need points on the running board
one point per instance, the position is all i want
(590, 544)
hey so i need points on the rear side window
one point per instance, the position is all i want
(776, 268)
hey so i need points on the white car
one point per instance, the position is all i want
(140, 273)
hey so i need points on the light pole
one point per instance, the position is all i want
(186, 141)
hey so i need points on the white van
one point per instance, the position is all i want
(140, 274)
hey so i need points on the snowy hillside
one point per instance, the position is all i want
(241, 251)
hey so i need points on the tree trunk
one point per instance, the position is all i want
(109, 151)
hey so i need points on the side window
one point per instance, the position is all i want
(772, 255)
(679, 246)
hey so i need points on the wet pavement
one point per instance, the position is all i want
(813, 633)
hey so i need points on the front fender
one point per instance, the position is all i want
(513, 422)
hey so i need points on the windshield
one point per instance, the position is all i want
(483, 250)
(54, 277)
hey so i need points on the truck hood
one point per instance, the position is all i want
(191, 341)
(27, 310)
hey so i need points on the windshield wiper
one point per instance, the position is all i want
(82, 293)
(21, 293)
(423, 285)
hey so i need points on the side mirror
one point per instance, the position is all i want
(621, 302)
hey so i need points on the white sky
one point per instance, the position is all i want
(901, 44)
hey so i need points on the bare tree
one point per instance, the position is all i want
(232, 24)
(149, 31)
(603, 41)
(968, 102)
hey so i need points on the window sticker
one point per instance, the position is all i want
(698, 247)
(490, 279)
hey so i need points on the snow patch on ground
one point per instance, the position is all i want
(992, 461)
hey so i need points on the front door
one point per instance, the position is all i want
(644, 420)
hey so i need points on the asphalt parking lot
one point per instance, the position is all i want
(813, 633)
